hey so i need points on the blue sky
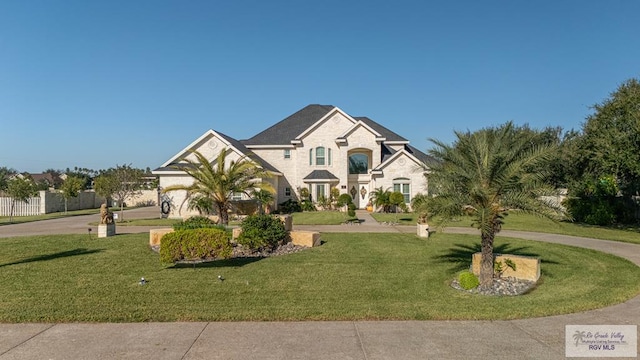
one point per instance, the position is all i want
(99, 83)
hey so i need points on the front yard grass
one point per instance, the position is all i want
(319, 218)
(69, 278)
(526, 222)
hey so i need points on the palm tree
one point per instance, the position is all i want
(380, 198)
(264, 199)
(202, 204)
(218, 180)
(488, 173)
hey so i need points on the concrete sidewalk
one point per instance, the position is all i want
(537, 338)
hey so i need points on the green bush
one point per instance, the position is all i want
(351, 210)
(195, 244)
(289, 206)
(468, 280)
(262, 231)
(344, 199)
(596, 202)
(196, 222)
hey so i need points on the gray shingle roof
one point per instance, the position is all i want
(321, 175)
(388, 134)
(288, 129)
(427, 159)
(387, 152)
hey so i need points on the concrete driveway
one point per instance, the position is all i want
(79, 224)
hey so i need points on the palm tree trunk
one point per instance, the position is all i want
(486, 262)
(222, 213)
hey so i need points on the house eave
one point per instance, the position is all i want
(395, 142)
(283, 146)
(311, 181)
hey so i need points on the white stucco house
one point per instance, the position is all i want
(318, 147)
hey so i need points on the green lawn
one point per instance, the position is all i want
(319, 218)
(525, 222)
(67, 278)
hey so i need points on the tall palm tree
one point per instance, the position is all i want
(488, 173)
(218, 180)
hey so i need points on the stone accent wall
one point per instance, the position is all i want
(527, 268)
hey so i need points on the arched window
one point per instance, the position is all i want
(403, 185)
(358, 164)
(320, 159)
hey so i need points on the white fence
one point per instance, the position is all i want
(53, 201)
(20, 208)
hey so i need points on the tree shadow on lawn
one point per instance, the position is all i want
(216, 263)
(460, 255)
(58, 255)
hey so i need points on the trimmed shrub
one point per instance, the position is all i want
(196, 222)
(344, 199)
(351, 210)
(195, 244)
(467, 280)
(307, 205)
(262, 231)
(289, 206)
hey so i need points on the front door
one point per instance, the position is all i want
(359, 192)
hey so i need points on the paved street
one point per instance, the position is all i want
(537, 338)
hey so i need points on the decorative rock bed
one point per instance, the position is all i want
(240, 251)
(508, 286)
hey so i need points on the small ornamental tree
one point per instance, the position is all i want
(396, 199)
(334, 193)
(120, 183)
(105, 185)
(70, 188)
(19, 190)
(345, 200)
